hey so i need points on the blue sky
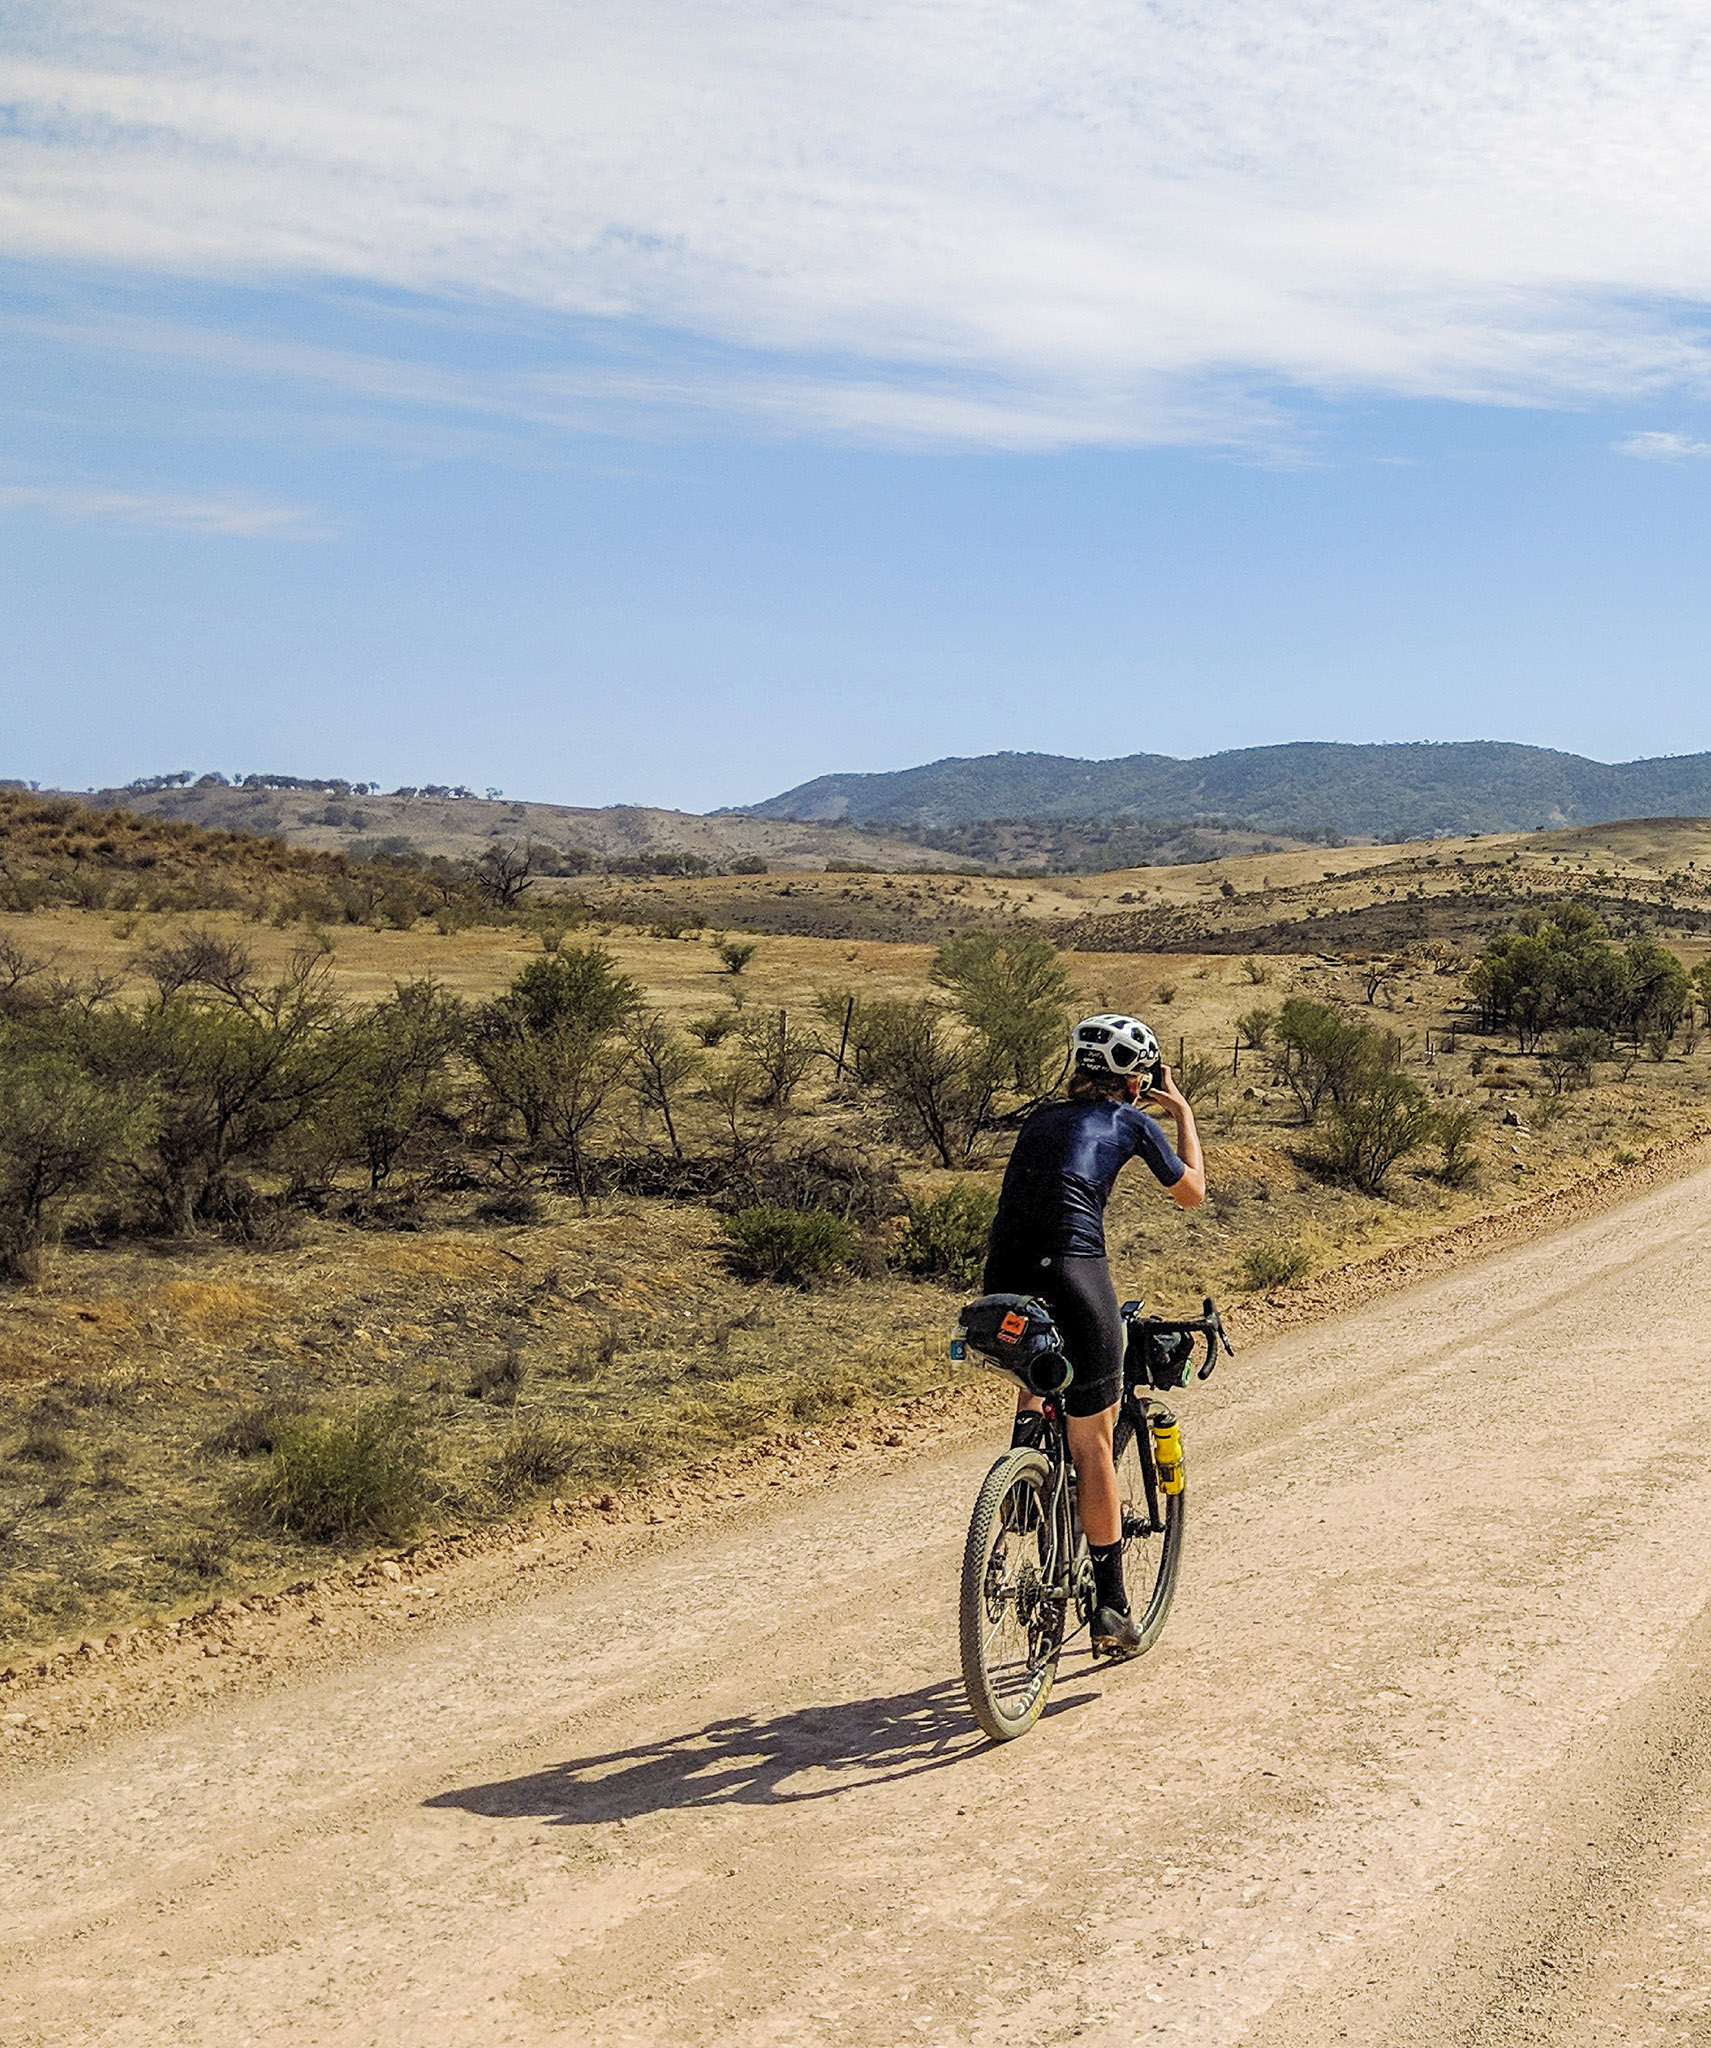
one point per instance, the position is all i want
(659, 404)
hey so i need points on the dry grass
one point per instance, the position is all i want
(636, 1348)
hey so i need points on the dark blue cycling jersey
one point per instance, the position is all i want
(1067, 1158)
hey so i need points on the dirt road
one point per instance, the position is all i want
(1423, 1756)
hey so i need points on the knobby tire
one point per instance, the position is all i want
(1011, 1621)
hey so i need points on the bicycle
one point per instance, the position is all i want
(1026, 1564)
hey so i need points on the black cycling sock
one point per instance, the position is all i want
(1108, 1576)
(1028, 1431)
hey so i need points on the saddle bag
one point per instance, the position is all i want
(1018, 1333)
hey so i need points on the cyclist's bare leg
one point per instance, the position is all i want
(1096, 1473)
(1095, 1468)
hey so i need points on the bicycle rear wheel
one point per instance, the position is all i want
(1011, 1613)
(1151, 1558)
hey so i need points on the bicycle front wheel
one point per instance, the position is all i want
(1151, 1557)
(1012, 1607)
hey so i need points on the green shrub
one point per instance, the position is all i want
(62, 1136)
(1275, 1263)
(792, 1246)
(332, 1477)
(1455, 1131)
(714, 1027)
(946, 1237)
(1254, 1028)
(1371, 1132)
(737, 953)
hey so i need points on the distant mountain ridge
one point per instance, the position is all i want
(1305, 788)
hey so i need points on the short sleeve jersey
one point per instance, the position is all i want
(1067, 1159)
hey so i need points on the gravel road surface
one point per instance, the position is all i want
(1424, 1754)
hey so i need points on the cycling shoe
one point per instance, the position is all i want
(1116, 1634)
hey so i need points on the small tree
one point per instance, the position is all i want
(1570, 1059)
(505, 872)
(938, 1088)
(1658, 991)
(736, 954)
(23, 987)
(662, 1063)
(549, 1053)
(1012, 992)
(62, 1134)
(230, 1063)
(777, 1056)
(399, 1080)
(1323, 1056)
(1366, 1136)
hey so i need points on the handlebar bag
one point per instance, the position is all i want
(1160, 1358)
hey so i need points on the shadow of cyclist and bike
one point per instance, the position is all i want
(805, 1754)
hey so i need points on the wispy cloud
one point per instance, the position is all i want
(1662, 447)
(1011, 222)
(82, 504)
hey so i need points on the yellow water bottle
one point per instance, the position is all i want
(1167, 1449)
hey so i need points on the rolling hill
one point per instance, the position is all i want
(337, 817)
(1308, 788)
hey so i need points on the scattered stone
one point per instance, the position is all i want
(391, 1571)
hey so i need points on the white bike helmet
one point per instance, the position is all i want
(1114, 1045)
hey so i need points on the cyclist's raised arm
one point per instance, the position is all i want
(1190, 1191)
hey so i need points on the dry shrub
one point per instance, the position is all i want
(211, 1308)
(1274, 1263)
(254, 1431)
(499, 1380)
(45, 1446)
(205, 1555)
(446, 1259)
(538, 1453)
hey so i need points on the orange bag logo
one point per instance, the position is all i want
(1012, 1327)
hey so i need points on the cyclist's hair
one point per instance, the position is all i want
(1082, 1084)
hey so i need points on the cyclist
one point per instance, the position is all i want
(1048, 1241)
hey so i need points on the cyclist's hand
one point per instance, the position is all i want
(1167, 1094)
